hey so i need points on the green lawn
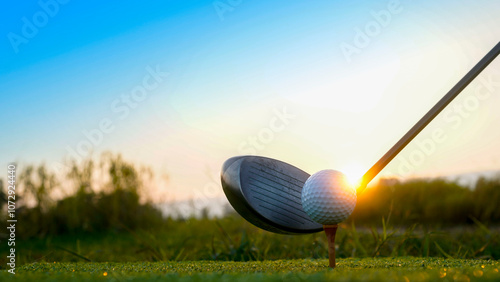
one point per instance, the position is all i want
(396, 269)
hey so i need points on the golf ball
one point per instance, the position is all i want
(328, 198)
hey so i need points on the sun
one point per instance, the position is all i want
(353, 172)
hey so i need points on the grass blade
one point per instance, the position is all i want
(442, 251)
(73, 253)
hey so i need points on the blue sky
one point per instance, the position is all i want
(229, 71)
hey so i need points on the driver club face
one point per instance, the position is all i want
(267, 193)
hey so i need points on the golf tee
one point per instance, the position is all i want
(330, 231)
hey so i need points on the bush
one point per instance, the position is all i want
(434, 202)
(117, 206)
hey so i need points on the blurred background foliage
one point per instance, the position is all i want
(101, 211)
(434, 202)
(89, 202)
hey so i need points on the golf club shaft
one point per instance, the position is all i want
(427, 118)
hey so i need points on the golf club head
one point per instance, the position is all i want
(267, 193)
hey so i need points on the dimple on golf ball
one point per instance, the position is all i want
(328, 198)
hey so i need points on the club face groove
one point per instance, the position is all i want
(267, 193)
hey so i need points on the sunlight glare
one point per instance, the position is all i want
(353, 172)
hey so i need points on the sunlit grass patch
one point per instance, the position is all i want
(397, 269)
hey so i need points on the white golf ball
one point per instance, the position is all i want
(328, 198)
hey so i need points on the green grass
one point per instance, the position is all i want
(234, 239)
(375, 269)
